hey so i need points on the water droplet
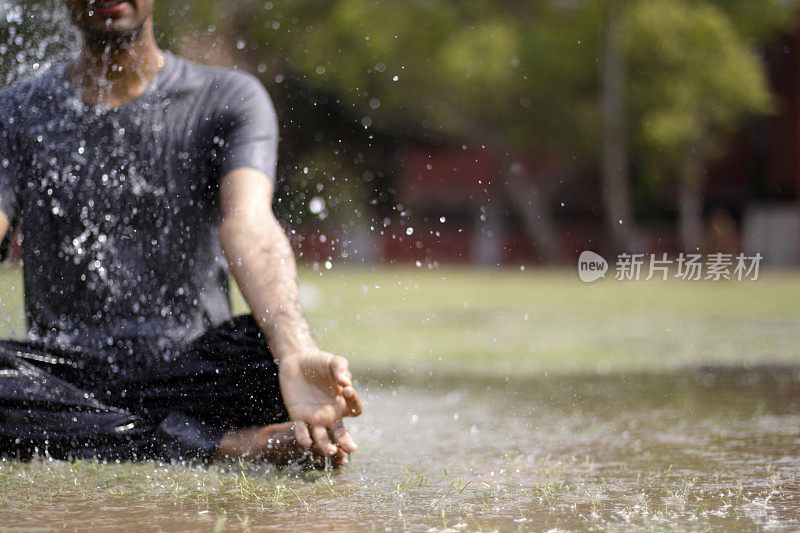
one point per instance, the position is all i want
(316, 205)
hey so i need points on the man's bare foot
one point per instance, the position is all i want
(275, 444)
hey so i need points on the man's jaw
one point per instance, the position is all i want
(111, 23)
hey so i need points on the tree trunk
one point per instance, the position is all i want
(533, 207)
(616, 196)
(691, 202)
(487, 235)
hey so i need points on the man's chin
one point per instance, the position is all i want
(112, 32)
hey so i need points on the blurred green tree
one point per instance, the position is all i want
(519, 80)
(677, 76)
(694, 79)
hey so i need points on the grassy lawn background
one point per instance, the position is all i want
(515, 322)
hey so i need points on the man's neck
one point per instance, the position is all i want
(111, 73)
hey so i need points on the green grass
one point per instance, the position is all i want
(535, 321)
(567, 452)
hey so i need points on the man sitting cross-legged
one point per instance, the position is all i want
(139, 180)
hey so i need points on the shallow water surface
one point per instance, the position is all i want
(695, 449)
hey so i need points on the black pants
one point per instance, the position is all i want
(71, 404)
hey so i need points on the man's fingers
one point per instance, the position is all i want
(301, 434)
(352, 402)
(322, 440)
(343, 438)
(340, 459)
(340, 369)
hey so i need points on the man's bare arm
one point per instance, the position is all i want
(262, 261)
(4, 225)
(316, 386)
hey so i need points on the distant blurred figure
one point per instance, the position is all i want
(721, 234)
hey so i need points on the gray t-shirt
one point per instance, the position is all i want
(119, 208)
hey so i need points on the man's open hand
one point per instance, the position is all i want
(318, 391)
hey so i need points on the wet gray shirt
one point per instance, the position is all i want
(119, 207)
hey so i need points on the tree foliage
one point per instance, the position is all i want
(522, 76)
(527, 73)
(693, 79)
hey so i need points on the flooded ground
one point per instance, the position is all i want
(697, 449)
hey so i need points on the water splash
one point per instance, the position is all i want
(34, 36)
